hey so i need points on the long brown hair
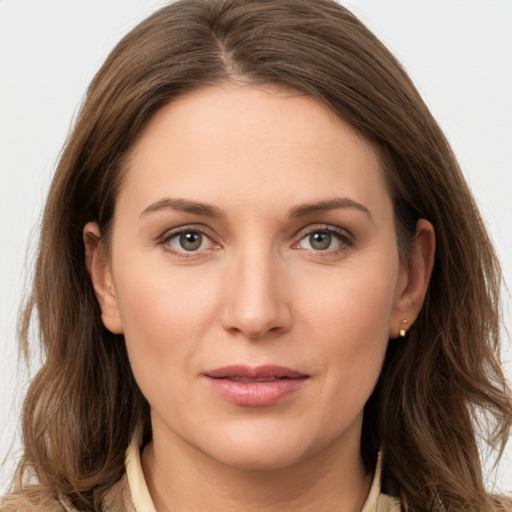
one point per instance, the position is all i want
(435, 388)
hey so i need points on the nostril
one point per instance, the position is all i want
(265, 333)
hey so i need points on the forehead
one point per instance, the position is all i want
(243, 144)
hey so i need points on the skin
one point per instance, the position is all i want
(257, 291)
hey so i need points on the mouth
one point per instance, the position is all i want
(238, 378)
(255, 386)
(258, 373)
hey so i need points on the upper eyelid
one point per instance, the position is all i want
(195, 228)
(324, 227)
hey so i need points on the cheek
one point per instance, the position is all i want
(352, 305)
(349, 326)
(165, 316)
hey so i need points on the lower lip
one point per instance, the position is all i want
(256, 394)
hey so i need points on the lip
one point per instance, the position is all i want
(258, 386)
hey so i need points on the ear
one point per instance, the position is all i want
(98, 266)
(414, 279)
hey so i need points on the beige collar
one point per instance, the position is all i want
(133, 492)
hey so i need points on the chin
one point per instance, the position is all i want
(262, 450)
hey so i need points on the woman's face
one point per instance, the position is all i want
(255, 275)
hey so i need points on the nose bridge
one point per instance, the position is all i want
(254, 303)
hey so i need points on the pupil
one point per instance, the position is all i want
(191, 241)
(320, 241)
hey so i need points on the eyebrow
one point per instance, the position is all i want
(183, 205)
(330, 204)
(197, 208)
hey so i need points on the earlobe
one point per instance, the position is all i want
(98, 266)
(415, 279)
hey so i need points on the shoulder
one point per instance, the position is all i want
(503, 503)
(117, 499)
(30, 502)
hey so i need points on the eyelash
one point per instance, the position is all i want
(345, 239)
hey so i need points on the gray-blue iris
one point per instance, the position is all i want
(320, 240)
(191, 241)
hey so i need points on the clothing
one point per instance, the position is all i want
(131, 494)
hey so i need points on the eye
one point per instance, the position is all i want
(324, 240)
(188, 241)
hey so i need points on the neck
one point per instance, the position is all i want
(180, 479)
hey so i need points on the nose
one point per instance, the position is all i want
(255, 302)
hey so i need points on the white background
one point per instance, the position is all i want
(458, 52)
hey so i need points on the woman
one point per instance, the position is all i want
(257, 260)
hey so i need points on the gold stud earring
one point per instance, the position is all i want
(403, 330)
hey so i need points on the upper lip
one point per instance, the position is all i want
(254, 372)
